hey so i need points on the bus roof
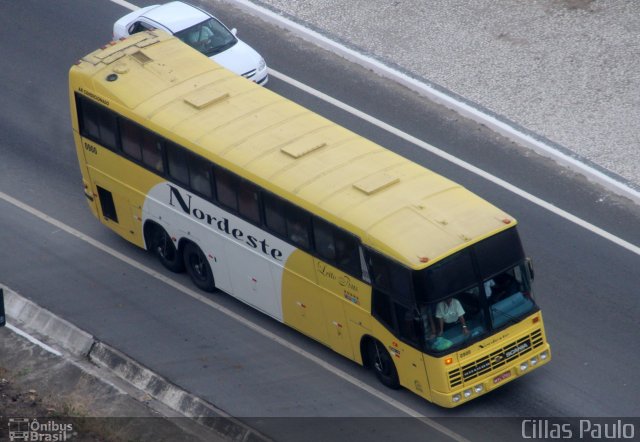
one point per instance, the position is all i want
(393, 204)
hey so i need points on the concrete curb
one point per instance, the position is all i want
(473, 111)
(78, 344)
(32, 317)
(169, 394)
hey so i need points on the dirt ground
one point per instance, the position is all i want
(38, 388)
(19, 399)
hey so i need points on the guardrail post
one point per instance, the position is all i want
(3, 319)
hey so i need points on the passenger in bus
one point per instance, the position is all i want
(489, 284)
(505, 286)
(298, 234)
(450, 312)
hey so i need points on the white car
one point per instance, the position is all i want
(200, 30)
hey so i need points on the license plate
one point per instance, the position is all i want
(502, 377)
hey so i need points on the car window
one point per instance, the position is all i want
(209, 37)
(139, 27)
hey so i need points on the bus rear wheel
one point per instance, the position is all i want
(161, 244)
(382, 364)
(198, 267)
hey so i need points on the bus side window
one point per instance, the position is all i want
(177, 163)
(88, 119)
(391, 277)
(248, 201)
(97, 123)
(226, 185)
(200, 176)
(337, 247)
(152, 151)
(108, 129)
(323, 238)
(409, 326)
(381, 308)
(274, 214)
(379, 272)
(131, 137)
(347, 253)
(298, 223)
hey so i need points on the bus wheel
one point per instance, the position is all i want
(382, 364)
(198, 267)
(162, 246)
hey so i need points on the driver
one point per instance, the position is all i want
(449, 312)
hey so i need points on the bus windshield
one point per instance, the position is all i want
(473, 293)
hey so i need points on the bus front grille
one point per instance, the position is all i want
(496, 359)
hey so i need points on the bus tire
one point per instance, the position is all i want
(382, 364)
(160, 244)
(198, 267)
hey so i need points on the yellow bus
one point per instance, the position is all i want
(384, 261)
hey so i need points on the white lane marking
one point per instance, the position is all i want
(197, 296)
(458, 162)
(126, 4)
(32, 339)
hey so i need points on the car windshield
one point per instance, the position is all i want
(209, 37)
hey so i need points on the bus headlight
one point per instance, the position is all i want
(456, 397)
(533, 361)
(467, 393)
(524, 366)
(478, 388)
(544, 355)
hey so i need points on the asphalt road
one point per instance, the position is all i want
(586, 284)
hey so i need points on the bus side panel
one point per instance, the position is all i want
(252, 279)
(86, 179)
(408, 361)
(182, 226)
(343, 298)
(302, 306)
(114, 206)
(359, 324)
(240, 254)
(336, 323)
(108, 172)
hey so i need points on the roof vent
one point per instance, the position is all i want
(299, 149)
(203, 98)
(141, 57)
(375, 183)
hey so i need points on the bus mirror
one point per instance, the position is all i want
(3, 319)
(530, 266)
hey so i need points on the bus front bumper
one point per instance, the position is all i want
(497, 378)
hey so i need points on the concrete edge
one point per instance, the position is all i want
(561, 155)
(77, 343)
(171, 395)
(74, 341)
